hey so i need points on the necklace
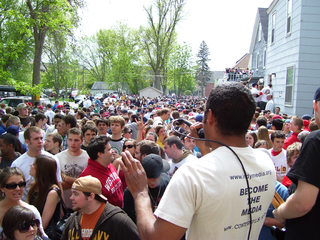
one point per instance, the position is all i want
(154, 202)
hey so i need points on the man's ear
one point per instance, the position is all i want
(210, 117)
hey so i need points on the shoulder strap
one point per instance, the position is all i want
(63, 205)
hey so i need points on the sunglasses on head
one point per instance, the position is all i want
(128, 146)
(12, 186)
(24, 227)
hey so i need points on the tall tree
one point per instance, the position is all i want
(180, 70)
(203, 69)
(157, 38)
(46, 15)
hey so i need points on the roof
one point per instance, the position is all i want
(243, 62)
(155, 89)
(261, 17)
(99, 86)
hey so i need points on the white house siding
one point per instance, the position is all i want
(309, 59)
(300, 49)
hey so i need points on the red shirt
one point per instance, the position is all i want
(292, 139)
(110, 181)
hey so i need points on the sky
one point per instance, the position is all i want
(225, 25)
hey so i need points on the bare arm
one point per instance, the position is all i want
(150, 227)
(140, 127)
(273, 222)
(299, 203)
(49, 207)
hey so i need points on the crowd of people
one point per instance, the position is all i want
(238, 73)
(135, 168)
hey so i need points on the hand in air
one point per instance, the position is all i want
(136, 177)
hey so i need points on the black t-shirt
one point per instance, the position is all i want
(155, 195)
(306, 168)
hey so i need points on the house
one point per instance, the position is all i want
(101, 87)
(293, 54)
(150, 92)
(258, 46)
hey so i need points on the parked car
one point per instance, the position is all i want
(15, 101)
(80, 98)
(98, 96)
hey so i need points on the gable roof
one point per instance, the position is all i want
(155, 89)
(101, 86)
(243, 62)
(261, 17)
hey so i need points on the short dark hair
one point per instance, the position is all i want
(277, 123)
(39, 116)
(103, 120)
(8, 139)
(87, 127)
(70, 119)
(277, 134)
(49, 105)
(262, 121)
(228, 100)
(96, 145)
(96, 197)
(81, 113)
(148, 147)
(174, 140)
(60, 116)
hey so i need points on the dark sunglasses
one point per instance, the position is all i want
(128, 146)
(24, 227)
(12, 186)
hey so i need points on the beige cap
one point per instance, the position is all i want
(21, 106)
(88, 184)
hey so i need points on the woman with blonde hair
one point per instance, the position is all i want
(263, 134)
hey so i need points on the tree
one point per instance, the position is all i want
(157, 38)
(180, 70)
(203, 69)
(46, 15)
(15, 43)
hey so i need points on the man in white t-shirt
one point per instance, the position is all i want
(34, 139)
(172, 146)
(278, 154)
(264, 93)
(72, 162)
(212, 197)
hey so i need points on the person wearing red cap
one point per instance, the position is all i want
(301, 211)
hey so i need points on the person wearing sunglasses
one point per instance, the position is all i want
(12, 185)
(129, 145)
(20, 223)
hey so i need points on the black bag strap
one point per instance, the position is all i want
(63, 205)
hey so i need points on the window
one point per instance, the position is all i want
(264, 57)
(289, 86)
(273, 24)
(257, 61)
(259, 32)
(289, 14)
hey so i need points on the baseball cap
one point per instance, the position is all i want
(153, 165)
(124, 111)
(21, 106)
(199, 118)
(88, 184)
(317, 95)
(306, 117)
(13, 129)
